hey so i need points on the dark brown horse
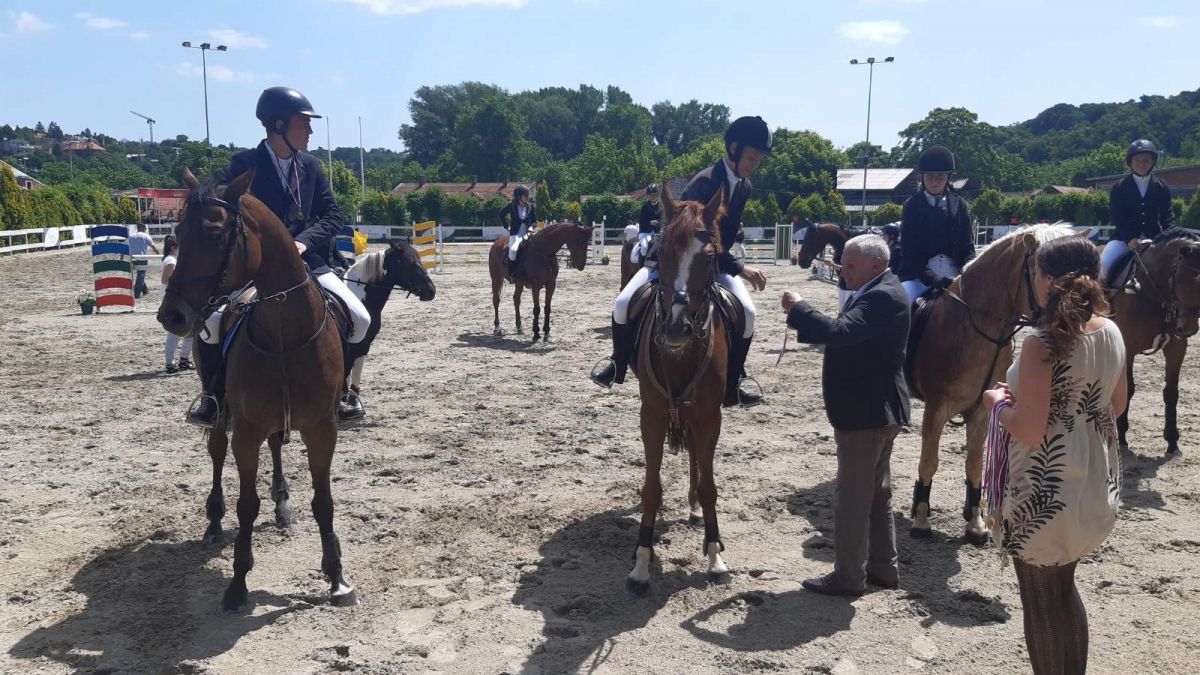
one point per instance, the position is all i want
(538, 268)
(1162, 315)
(681, 369)
(965, 347)
(284, 364)
(817, 237)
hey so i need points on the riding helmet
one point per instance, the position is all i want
(521, 191)
(936, 159)
(890, 230)
(1138, 147)
(279, 104)
(653, 189)
(749, 132)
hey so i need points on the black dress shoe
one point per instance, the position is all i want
(186, 364)
(742, 397)
(830, 585)
(350, 408)
(205, 414)
(172, 369)
(882, 583)
(605, 377)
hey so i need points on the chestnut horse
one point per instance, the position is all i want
(284, 363)
(1161, 315)
(681, 369)
(817, 237)
(538, 268)
(966, 345)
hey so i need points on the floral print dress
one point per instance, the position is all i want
(1062, 496)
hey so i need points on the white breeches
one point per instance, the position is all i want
(630, 233)
(1111, 255)
(939, 267)
(641, 248)
(184, 345)
(360, 318)
(646, 275)
(515, 241)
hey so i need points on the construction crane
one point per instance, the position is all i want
(149, 122)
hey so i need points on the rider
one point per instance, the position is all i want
(518, 218)
(290, 182)
(648, 221)
(747, 141)
(1139, 208)
(891, 235)
(935, 228)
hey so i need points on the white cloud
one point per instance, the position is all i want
(139, 35)
(216, 73)
(237, 39)
(99, 22)
(418, 6)
(873, 32)
(28, 23)
(1162, 22)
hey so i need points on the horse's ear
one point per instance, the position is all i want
(240, 185)
(189, 179)
(1085, 233)
(1029, 240)
(712, 210)
(669, 206)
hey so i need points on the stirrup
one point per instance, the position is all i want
(600, 365)
(762, 395)
(187, 417)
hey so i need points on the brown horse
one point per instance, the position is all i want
(1162, 315)
(538, 268)
(628, 267)
(817, 237)
(966, 345)
(681, 369)
(284, 364)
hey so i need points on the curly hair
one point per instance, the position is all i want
(1074, 294)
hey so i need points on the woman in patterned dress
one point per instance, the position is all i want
(1063, 393)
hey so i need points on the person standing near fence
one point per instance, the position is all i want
(1063, 485)
(184, 345)
(139, 243)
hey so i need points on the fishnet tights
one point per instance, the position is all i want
(1056, 629)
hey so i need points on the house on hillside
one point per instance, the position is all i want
(16, 146)
(472, 189)
(24, 180)
(81, 145)
(1182, 180)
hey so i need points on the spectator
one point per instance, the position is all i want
(170, 249)
(139, 243)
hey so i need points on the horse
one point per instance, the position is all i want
(538, 261)
(628, 267)
(1162, 315)
(372, 278)
(965, 346)
(681, 368)
(284, 362)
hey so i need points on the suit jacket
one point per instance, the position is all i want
(701, 188)
(322, 219)
(928, 231)
(510, 218)
(863, 375)
(1137, 217)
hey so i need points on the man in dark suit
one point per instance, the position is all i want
(866, 399)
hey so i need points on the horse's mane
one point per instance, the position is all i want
(678, 234)
(1173, 233)
(368, 267)
(1043, 232)
(207, 189)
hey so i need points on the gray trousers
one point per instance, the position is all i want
(864, 536)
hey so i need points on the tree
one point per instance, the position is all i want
(801, 162)
(626, 124)
(1191, 214)
(986, 207)
(432, 202)
(699, 158)
(54, 131)
(375, 209)
(772, 214)
(127, 212)
(346, 190)
(435, 111)
(15, 213)
(887, 213)
(678, 128)
(960, 130)
(51, 208)
(39, 128)
(543, 201)
(610, 209)
(877, 158)
(604, 167)
(487, 139)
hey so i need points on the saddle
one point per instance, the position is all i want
(1122, 277)
(921, 310)
(733, 315)
(338, 310)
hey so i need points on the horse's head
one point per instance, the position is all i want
(578, 242)
(816, 237)
(1174, 262)
(1002, 273)
(215, 255)
(690, 243)
(402, 268)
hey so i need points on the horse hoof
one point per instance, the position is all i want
(1173, 451)
(497, 332)
(536, 337)
(213, 537)
(638, 588)
(285, 519)
(720, 578)
(235, 596)
(920, 533)
(694, 520)
(975, 538)
(347, 599)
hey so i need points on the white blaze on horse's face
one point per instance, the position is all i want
(684, 273)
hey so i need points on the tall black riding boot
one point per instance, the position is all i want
(211, 367)
(736, 392)
(614, 371)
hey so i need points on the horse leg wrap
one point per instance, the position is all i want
(711, 535)
(973, 497)
(920, 496)
(645, 538)
(331, 556)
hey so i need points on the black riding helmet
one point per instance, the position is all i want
(890, 230)
(748, 132)
(936, 159)
(1138, 147)
(653, 189)
(278, 104)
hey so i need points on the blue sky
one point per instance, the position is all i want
(89, 63)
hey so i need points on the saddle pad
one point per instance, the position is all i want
(337, 307)
(921, 310)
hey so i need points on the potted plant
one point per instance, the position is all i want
(86, 300)
(604, 260)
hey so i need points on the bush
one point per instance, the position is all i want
(887, 213)
(127, 212)
(614, 211)
(51, 208)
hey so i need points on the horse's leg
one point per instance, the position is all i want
(497, 284)
(284, 516)
(214, 508)
(695, 512)
(654, 432)
(976, 531)
(320, 443)
(537, 313)
(245, 453)
(517, 306)
(1123, 420)
(546, 325)
(704, 446)
(1174, 352)
(932, 423)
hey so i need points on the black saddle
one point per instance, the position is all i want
(338, 309)
(1123, 272)
(733, 315)
(921, 309)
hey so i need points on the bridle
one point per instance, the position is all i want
(1168, 303)
(218, 279)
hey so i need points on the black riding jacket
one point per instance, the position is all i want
(1136, 217)
(701, 188)
(511, 220)
(928, 231)
(650, 212)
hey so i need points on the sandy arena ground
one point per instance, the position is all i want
(488, 507)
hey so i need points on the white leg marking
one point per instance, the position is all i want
(715, 564)
(641, 568)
